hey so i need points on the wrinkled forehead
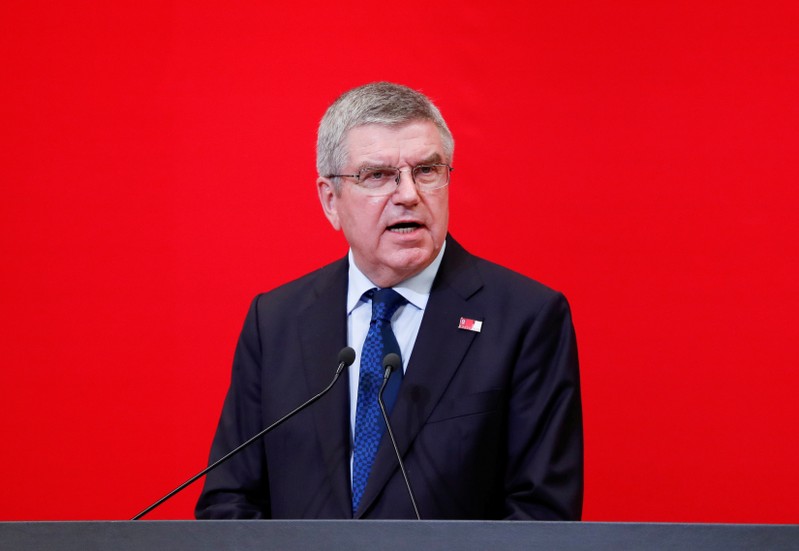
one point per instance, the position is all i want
(412, 143)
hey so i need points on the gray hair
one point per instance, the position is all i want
(382, 103)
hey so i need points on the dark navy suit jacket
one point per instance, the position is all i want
(489, 423)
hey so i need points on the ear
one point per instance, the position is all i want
(328, 198)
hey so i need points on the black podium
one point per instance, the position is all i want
(269, 535)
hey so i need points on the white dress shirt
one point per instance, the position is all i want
(405, 323)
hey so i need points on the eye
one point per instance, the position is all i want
(376, 177)
(428, 174)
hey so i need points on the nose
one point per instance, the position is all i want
(406, 191)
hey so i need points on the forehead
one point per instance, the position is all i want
(411, 143)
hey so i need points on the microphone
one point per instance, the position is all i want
(345, 358)
(390, 363)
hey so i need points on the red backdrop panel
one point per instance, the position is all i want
(158, 171)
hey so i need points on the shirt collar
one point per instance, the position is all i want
(415, 289)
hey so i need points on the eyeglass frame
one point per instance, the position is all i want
(399, 176)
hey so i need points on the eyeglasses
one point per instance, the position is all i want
(383, 180)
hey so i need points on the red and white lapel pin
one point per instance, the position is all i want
(470, 325)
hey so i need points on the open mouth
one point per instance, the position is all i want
(404, 227)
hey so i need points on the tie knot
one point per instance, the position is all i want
(384, 303)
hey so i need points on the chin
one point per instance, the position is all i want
(413, 261)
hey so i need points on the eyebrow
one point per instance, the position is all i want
(433, 159)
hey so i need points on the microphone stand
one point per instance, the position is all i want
(391, 362)
(346, 357)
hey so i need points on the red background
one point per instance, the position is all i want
(157, 167)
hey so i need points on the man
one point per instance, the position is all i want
(486, 408)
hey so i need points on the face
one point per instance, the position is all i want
(396, 236)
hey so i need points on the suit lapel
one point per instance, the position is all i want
(437, 353)
(323, 323)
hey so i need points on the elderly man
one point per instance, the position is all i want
(485, 408)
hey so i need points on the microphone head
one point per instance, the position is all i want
(392, 361)
(346, 356)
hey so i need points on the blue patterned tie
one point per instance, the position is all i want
(380, 340)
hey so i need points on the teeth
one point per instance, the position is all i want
(403, 227)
